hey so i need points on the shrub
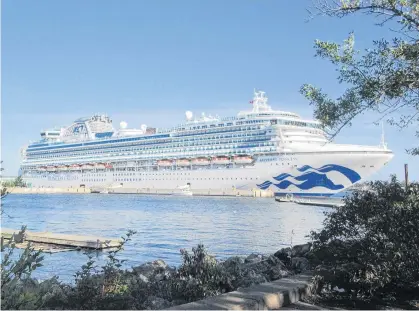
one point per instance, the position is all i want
(199, 276)
(16, 284)
(369, 247)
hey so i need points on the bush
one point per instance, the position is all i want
(15, 275)
(17, 182)
(199, 276)
(152, 285)
(370, 246)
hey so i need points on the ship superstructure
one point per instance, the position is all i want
(260, 148)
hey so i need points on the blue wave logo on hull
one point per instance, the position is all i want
(265, 185)
(318, 178)
(347, 172)
(310, 180)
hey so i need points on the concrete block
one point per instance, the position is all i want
(267, 296)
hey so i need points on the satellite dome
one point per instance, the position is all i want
(123, 125)
(143, 127)
(189, 115)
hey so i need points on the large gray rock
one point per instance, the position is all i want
(274, 268)
(234, 265)
(300, 264)
(284, 255)
(251, 278)
(159, 263)
(300, 250)
(276, 273)
(150, 268)
(157, 303)
(274, 261)
(253, 258)
(233, 262)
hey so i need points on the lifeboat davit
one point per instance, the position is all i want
(183, 162)
(88, 166)
(51, 168)
(62, 168)
(165, 162)
(74, 167)
(221, 160)
(201, 161)
(243, 159)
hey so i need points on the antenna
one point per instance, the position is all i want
(383, 143)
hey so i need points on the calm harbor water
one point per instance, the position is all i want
(164, 225)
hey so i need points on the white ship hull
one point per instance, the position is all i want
(260, 148)
(302, 173)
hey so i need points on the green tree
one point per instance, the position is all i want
(3, 191)
(370, 246)
(384, 79)
(18, 182)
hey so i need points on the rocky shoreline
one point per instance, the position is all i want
(155, 285)
(233, 273)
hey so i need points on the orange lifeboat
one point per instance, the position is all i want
(165, 162)
(183, 162)
(100, 165)
(201, 161)
(243, 159)
(221, 160)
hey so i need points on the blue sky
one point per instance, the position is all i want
(149, 61)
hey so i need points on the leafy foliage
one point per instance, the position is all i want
(18, 182)
(3, 190)
(18, 272)
(384, 80)
(200, 275)
(370, 246)
(153, 285)
(14, 273)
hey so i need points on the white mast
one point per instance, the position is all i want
(260, 102)
(383, 143)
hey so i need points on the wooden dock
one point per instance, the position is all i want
(64, 240)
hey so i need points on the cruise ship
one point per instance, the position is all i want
(261, 148)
